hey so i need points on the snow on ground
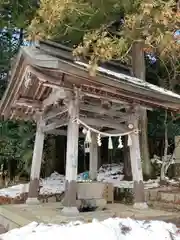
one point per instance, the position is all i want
(54, 184)
(109, 229)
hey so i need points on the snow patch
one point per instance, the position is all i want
(109, 229)
(55, 183)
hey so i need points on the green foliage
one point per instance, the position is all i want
(157, 127)
(15, 137)
(9, 46)
(68, 20)
(16, 13)
(152, 22)
(87, 23)
(16, 143)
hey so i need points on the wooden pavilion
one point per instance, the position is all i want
(48, 86)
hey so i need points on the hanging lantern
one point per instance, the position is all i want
(86, 147)
(99, 140)
(120, 143)
(110, 144)
(88, 136)
(129, 140)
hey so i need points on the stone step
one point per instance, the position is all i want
(168, 206)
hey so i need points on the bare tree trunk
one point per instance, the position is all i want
(138, 63)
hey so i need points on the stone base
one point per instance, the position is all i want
(32, 201)
(70, 194)
(142, 205)
(33, 188)
(70, 211)
(139, 193)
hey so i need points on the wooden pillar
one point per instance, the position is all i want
(72, 158)
(36, 164)
(136, 166)
(93, 163)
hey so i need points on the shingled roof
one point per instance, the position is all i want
(51, 65)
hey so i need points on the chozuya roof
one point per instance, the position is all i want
(51, 66)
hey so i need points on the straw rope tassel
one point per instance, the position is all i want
(129, 140)
(120, 143)
(110, 145)
(99, 140)
(88, 136)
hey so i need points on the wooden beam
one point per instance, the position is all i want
(104, 123)
(62, 132)
(102, 111)
(123, 116)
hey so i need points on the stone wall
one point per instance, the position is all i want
(167, 195)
